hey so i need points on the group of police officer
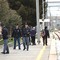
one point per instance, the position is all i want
(25, 32)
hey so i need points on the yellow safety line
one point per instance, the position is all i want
(41, 53)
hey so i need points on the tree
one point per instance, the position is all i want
(8, 17)
(26, 9)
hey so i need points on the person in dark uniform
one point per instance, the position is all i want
(45, 35)
(25, 36)
(5, 39)
(32, 33)
(16, 34)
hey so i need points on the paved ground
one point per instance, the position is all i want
(58, 47)
(37, 52)
(23, 55)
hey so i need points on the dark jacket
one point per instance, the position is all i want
(5, 33)
(32, 32)
(46, 33)
(16, 33)
(25, 32)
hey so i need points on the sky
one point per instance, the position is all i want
(55, 11)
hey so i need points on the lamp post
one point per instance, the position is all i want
(37, 19)
(43, 13)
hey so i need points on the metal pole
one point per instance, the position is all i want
(43, 12)
(37, 18)
(50, 18)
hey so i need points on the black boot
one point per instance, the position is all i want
(3, 52)
(7, 52)
(24, 48)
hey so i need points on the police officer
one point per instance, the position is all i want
(46, 35)
(25, 36)
(32, 33)
(5, 39)
(16, 34)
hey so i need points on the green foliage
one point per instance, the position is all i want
(25, 8)
(7, 16)
(14, 4)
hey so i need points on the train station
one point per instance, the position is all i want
(30, 30)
